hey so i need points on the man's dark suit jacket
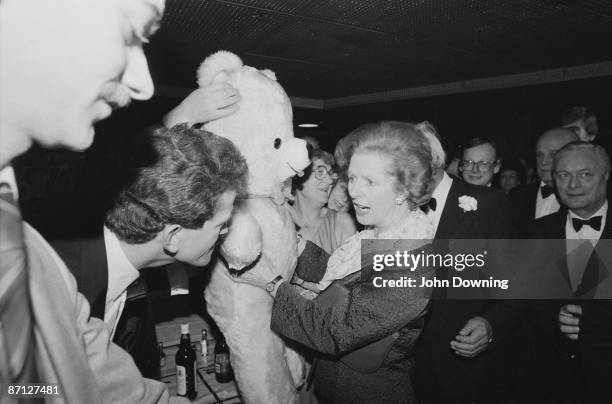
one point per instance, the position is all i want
(552, 374)
(442, 375)
(523, 202)
(86, 259)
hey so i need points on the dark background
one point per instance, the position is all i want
(327, 50)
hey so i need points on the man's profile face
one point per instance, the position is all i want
(479, 164)
(66, 64)
(581, 181)
(197, 245)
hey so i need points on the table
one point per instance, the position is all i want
(209, 391)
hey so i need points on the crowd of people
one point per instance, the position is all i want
(60, 306)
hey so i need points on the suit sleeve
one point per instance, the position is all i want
(501, 219)
(365, 315)
(503, 315)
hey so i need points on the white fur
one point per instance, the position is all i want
(216, 63)
(265, 372)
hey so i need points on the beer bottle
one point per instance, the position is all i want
(186, 383)
(223, 369)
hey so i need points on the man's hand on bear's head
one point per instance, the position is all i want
(205, 104)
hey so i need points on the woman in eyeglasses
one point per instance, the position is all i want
(320, 230)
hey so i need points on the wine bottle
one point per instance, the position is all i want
(186, 383)
(223, 368)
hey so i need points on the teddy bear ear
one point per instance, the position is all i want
(216, 63)
(269, 73)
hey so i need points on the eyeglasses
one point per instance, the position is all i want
(321, 171)
(480, 165)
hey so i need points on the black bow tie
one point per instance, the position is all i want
(429, 205)
(594, 222)
(546, 191)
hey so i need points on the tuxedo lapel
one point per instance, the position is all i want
(532, 199)
(607, 230)
(86, 259)
(94, 261)
(596, 270)
(450, 219)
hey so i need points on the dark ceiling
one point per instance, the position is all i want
(499, 68)
(324, 50)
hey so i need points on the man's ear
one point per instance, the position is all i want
(497, 166)
(171, 239)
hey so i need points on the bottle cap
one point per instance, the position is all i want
(184, 328)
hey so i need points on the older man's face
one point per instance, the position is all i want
(581, 181)
(65, 64)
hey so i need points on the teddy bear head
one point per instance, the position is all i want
(262, 128)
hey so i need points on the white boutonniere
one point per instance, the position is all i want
(468, 203)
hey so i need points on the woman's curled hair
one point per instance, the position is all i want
(408, 152)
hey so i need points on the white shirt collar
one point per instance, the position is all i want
(440, 194)
(586, 232)
(7, 176)
(442, 190)
(600, 212)
(121, 272)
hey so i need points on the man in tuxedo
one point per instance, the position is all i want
(538, 199)
(460, 357)
(480, 162)
(581, 173)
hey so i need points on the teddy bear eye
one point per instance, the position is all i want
(277, 143)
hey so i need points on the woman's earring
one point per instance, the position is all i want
(398, 201)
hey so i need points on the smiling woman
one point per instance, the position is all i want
(390, 176)
(320, 230)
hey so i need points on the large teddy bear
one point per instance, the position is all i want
(261, 233)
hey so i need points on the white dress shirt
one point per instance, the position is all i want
(577, 253)
(546, 206)
(440, 194)
(121, 273)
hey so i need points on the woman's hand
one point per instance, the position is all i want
(205, 104)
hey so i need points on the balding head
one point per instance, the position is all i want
(581, 171)
(548, 144)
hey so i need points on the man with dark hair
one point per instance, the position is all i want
(480, 162)
(462, 351)
(184, 185)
